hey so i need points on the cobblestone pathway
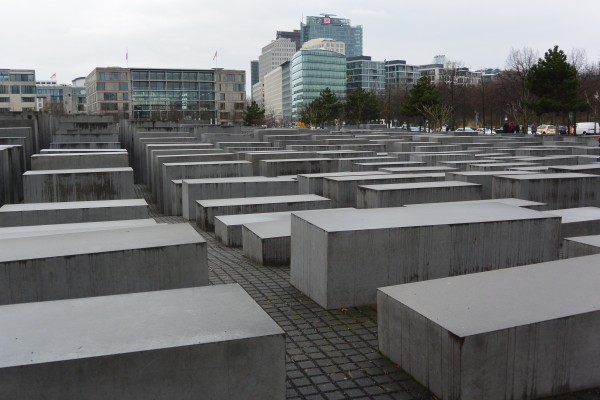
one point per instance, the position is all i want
(330, 354)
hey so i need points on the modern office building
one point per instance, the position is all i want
(440, 74)
(326, 26)
(326, 44)
(311, 72)
(286, 92)
(211, 96)
(17, 90)
(61, 99)
(273, 55)
(108, 92)
(294, 36)
(400, 74)
(230, 89)
(253, 72)
(365, 74)
(273, 94)
(258, 94)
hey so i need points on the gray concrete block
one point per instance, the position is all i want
(223, 188)
(78, 185)
(558, 191)
(313, 183)
(511, 202)
(11, 171)
(280, 167)
(72, 212)
(207, 210)
(375, 166)
(592, 169)
(342, 190)
(79, 161)
(210, 342)
(228, 228)
(98, 263)
(499, 334)
(416, 169)
(85, 145)
(267, 242)
(581, 246)
(483, 178)
(256, 157)
(399, 194)
(57, 229)
(582, 221)
(201, 170)
(340, 258)
(503, 166)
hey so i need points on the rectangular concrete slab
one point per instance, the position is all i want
(228, 228)
(483, 178)
(498, 334)
(267, 242)
(511, 202)
(72, 212)
(78, 185)
(399, 194)
(313, 183)
(581, 246)
(222, 188)
(207, 210)
(558, 191)
(57, 229)
(339, 258)
(204, 342)
(97, 263)
(582, 221)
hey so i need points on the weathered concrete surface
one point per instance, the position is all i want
(399, 194)
(210, 342)
(256, 157)
(72, 212)
(223, 188)
(313, 183)
(98, 263)
(207, 210)
(342, 190)
(11, 171)
(267, 242)
(582, 221)
(581, 246)
(78, 185)
(85, 145)
(79, 161)
(483, 178)
(511, 202)
(340, 258)
(558, 191)
(56, 229)
(228, 228)
(592, 169)
(374, 166)
(280, 167)
(499, 334)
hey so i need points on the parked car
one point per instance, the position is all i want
(546, 129)
(485, 131)
(465, 129)
(588, 128)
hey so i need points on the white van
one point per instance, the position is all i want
(588, 128)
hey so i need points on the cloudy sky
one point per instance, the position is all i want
(71, 37)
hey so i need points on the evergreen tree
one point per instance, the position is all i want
(362, 106)
(554, 84)
(323, 109)
(254, 115)
(423, 94)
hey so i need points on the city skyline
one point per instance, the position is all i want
(71, 40)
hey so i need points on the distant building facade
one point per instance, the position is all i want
(440, 74)
(327, 26)
(253, 72)
(399, 73)
(108, 92)
(273, 94)
(326, 44)
(363, 73)
(61, 99)
(311, 72)
(17, 90)
(210, 96)
(294, 36)
(274, 54)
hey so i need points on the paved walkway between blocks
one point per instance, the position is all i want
(330, 354)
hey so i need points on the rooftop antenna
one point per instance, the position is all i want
(329, 15)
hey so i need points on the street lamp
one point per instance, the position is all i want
(597, 98)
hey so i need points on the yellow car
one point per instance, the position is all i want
(546, 130)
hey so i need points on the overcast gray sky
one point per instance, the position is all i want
(71, 37)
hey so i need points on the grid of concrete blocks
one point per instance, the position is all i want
(192, 262)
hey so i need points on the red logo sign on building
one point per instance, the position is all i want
(326, 20)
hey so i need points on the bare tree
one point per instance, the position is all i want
(438, 115)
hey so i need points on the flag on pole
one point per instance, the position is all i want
(53, 76)
(215, 56)
(127, 55)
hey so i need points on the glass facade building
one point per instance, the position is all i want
(178, 94)
(311, 72)
(366, 74)
(334, 28)
(398, 73)
(17, 90)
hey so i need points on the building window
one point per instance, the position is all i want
(123, 86)
(126, 96)
(4, 99)
(15, 89)
(28, 99)
(110, 96)
(3, 89)
(100, 86)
